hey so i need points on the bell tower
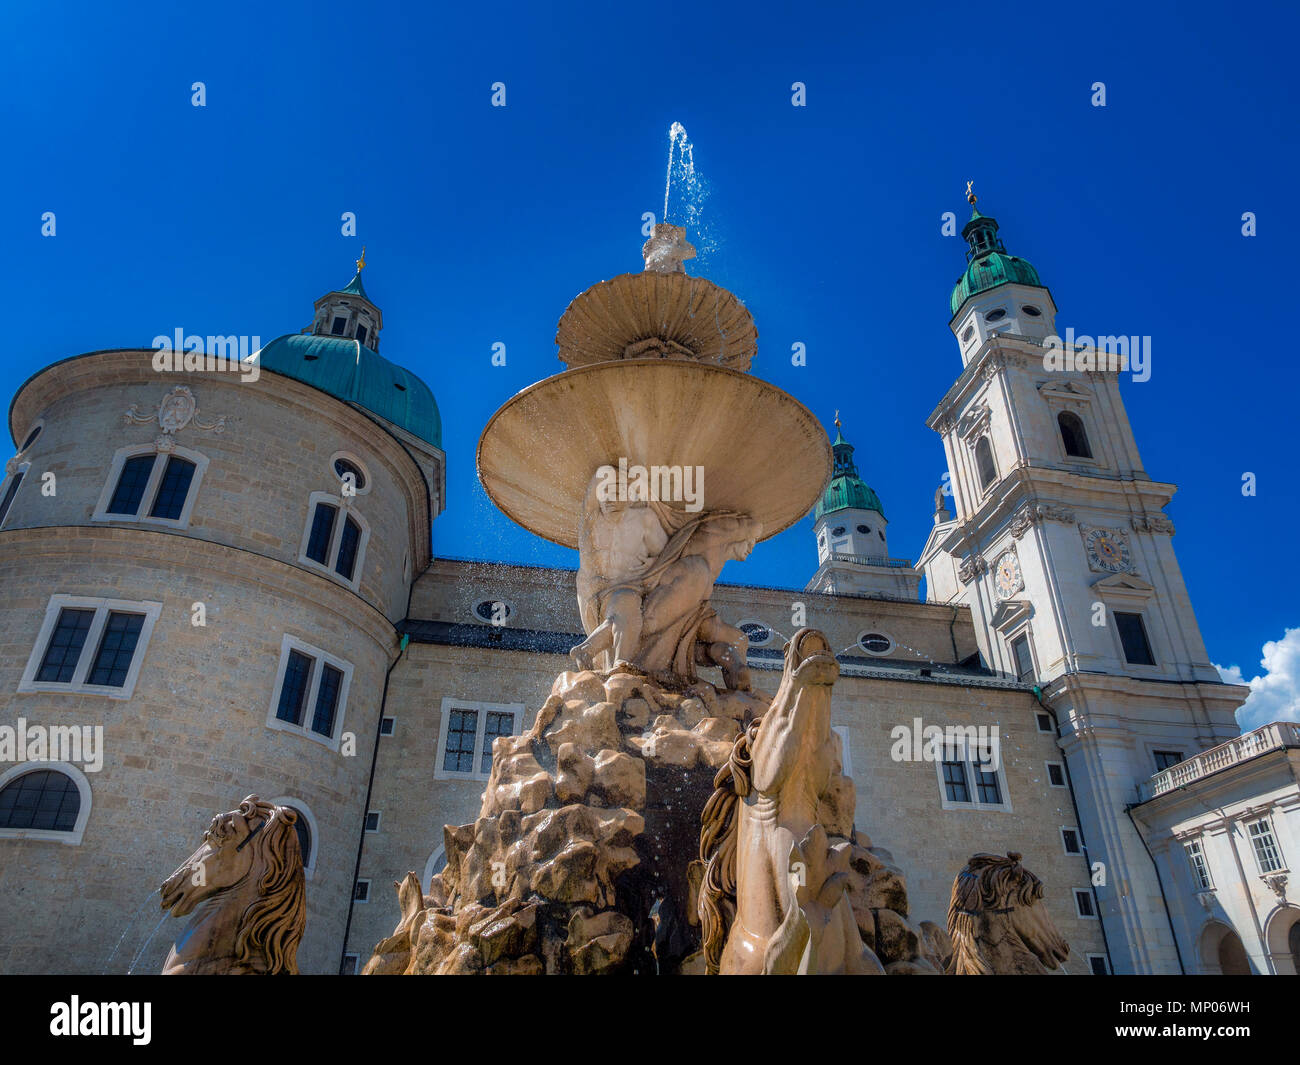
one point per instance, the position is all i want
(1062, 550)
(348, 312)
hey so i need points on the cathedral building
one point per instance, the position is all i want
(233, 580)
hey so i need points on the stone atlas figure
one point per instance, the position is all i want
(244, 888)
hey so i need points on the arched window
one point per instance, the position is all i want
(335, 537)
(148, 485)
(984, 462)
(305, 829)
(1073, 435)
(50, 803)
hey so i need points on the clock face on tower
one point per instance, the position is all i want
(1007, 575)
(1106, 550)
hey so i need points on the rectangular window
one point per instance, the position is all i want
(1070, 837)
(348, 544)
(497, 724)
(322, 531)
(387, 725)
(1166, 759)
(1083, 904)
(372, 821)
(1097, 965)
(90, 645)
(1267, 855)
(116, 649)
(311, 692)
(1056, 774)
(361, 334)
(462, 730)
(64, 649)
(15, 482)
(293, 689)
(1024, 660)
(1045, 723)
(174, 489)
(986, 787)
(351, 963)
(954, 782)
(1133, 635)
(339, 327)
(327, 700)
(1200, 871)
(466, 734)
(362, 891)
(131, 483)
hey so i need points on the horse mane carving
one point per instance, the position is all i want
(246, 889)
(998, 922)
(772, 897)
(718, 848)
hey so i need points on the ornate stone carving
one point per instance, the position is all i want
(246, 888)
(998, 923)
(970, 424)
(1032, 513)
(773, 899)
(1277, 884)
(177, 409)
(645, 575)
(1154, 523)
(993, 365)
(971, 567)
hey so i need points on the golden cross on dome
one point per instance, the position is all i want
(837, 419)
(970, 196)
(361, 263)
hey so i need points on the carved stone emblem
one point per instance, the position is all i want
(177, 409)
(972, 567)
(1155, 523)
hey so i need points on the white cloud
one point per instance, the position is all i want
(1275, 694)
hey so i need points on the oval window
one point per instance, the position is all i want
(839, 530)
(494, 611)
(31, 438)
(343, 467)
(1033, 312)
(757, 632)
(876, 643)
(970, 332)
(995, 316)
(863, 529)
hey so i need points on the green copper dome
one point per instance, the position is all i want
(847, 491)
(350, 371)
(990, 265)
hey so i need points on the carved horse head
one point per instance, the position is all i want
(998, 922)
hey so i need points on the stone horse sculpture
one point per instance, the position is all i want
(998, 923)
(245, 888)
(773, 895)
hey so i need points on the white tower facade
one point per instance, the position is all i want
(1060, 547)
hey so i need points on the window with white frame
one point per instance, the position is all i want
(1084, 905)
(1097, 964)
(971, 777)
(1056, 774)
(1267, 855)
(1071, 840)
(335, 537)
(44, 801)
(466, 734)
(361, 891)
(148, 485)
(90, 645)
(311, 692)
(1200, 870)
(350, 965)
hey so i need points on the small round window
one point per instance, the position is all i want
(757, 632)
(995, 316)
(875, 643)
(344, 468)
(839, 530)
(494, 611)
(970, 332)
(1033, 312)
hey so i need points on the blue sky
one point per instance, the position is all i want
(482, 223)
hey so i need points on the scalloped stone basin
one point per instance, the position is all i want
(762, 451)
(611, 319)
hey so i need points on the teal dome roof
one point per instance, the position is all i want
(847, 491)
(989, 264)
(350, 371)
